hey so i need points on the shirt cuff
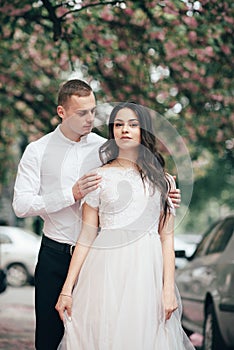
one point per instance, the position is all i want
(58, 200)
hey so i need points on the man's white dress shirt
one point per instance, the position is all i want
(46, 174)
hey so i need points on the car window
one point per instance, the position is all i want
(202, 246)
(4, 239)
(221, 237)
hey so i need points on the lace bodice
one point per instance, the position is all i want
(124, 202)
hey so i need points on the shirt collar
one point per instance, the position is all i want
(83, 139)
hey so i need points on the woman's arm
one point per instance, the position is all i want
(167, 239)
(166, 230)
(88, 233)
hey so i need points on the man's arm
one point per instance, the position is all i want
(28, 201)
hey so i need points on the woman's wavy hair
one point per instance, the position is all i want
(150, 162)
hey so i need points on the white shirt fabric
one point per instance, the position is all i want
(47, 171)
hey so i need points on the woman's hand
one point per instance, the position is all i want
(64, 303)
(170, 303)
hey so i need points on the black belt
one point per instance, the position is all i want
(61, 247)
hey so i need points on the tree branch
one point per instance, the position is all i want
(55, 20)
(93, 5)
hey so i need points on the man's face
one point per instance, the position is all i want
(77, 116)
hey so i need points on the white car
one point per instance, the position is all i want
(18, 254)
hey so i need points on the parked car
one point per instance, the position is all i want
(18, 251)
(184, 245)
(206, 285)
(3, 280)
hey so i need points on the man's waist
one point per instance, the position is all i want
(61, 247)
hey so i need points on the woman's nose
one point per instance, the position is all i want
(125, 127)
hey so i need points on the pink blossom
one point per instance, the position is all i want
(152, 4)
(192, 133)
(219, 136)
(128, 88)
(19, 12)
(192, 36)
(120, 58)
(190, 21)
(181, 52)
(170, 49)
(176, 66)
(129, 11)
(151, 94)
(226, 49)
(186, 74)
(190, 65)
(229, 19)
(171, 10)
(160, 35)
(217, 97)
(61, 11)
(106, 15)
(196, 76)
(190, 86)
(209, 51)
(210, 82)
(202, 129)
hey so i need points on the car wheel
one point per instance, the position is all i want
(17, 275)
(212, 339)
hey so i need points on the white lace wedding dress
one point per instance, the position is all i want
(117, 301)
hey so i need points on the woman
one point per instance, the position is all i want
(120, 292)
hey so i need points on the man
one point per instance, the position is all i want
(47, 185)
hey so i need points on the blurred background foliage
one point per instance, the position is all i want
(175, 57)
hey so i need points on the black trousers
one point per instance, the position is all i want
(50, 274)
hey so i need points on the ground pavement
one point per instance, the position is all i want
(17, 320)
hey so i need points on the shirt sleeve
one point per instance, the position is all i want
(27, 200)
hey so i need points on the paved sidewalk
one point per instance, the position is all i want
(17, 319)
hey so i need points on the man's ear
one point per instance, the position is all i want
(60, 111)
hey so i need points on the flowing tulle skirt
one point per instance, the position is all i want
(117, 302)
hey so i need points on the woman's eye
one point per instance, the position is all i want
(134, 125)
(118, 125)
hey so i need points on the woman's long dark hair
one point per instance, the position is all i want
(150, 162)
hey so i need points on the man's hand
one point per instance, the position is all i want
(175, 196)
(86, 184)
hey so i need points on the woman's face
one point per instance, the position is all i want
(127, 132)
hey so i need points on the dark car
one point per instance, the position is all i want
(3, 275)
(206, 285)
(3, 280)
